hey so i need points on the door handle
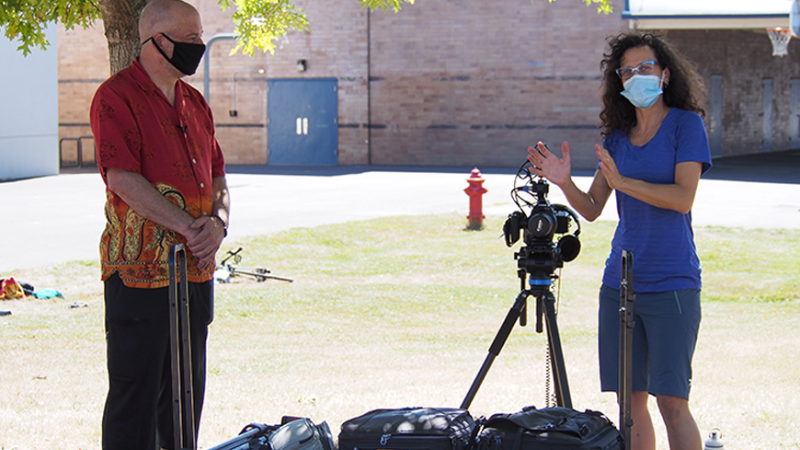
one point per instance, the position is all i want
(301, 126)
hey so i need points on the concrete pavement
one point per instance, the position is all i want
(55, 219)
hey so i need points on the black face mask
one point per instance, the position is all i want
(185, 56)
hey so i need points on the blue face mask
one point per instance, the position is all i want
(643, 90)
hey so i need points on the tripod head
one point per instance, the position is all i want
(540, 255)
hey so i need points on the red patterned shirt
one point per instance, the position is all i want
(137, 129)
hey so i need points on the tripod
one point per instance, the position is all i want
(540, 283)
(258, 273)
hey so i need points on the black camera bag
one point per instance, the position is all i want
(252, 437)
(413, 428)
(294, 433)
(553, 428)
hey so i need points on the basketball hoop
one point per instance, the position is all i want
(780, 38)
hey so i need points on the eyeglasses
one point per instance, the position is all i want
(645, 68)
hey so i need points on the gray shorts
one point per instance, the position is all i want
(664, 339)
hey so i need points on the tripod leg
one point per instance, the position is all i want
(563, 397)
(497, 345)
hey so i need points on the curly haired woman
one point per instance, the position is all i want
(655, 149)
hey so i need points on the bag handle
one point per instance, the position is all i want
(473, 437)
(518, 439)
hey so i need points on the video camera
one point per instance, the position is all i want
(541, 255)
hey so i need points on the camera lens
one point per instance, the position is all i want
(542, 224)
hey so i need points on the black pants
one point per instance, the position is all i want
(138, 411)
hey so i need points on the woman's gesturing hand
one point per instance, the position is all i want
(546, 164)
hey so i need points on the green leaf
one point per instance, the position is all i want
(258, 23)
(384, 4)
(26, 21)
(603, 6)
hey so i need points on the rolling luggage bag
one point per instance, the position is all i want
(294, 433)
(413, 428)
(555, 428)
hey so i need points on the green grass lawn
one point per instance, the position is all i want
(401, 312)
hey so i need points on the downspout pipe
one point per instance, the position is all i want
(207, 62)
(369, 87)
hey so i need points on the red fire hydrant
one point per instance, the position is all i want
(475, 190)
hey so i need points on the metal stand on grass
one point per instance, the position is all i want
(180, 347)
(626, 299)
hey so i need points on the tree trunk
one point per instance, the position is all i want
(121, 21)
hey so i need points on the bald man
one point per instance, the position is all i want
(165, 184)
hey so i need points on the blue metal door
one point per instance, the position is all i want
(303, 127)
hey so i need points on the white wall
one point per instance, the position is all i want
(28, 110)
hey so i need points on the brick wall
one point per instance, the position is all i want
(335, 46)
(447, 82)
(82, 66)
(472, 82)
(744, 59)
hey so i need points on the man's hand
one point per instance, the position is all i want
(205, 244)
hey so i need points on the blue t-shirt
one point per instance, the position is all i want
(661, 240)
